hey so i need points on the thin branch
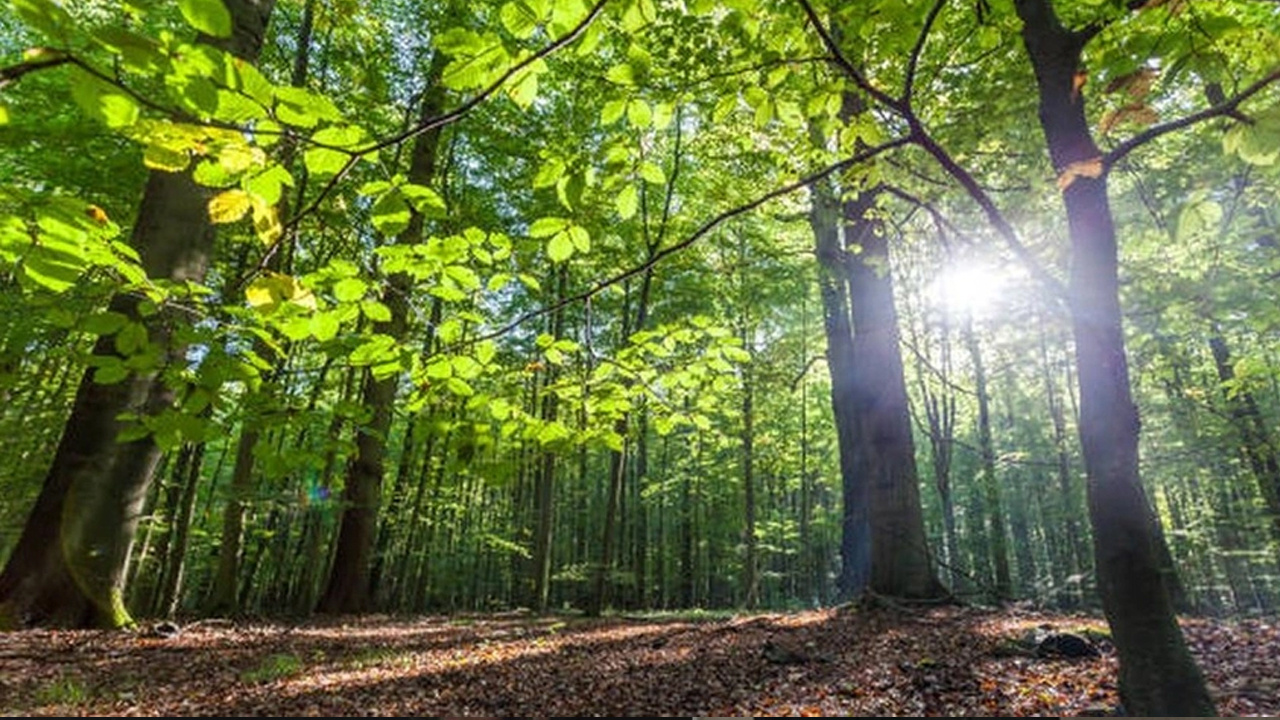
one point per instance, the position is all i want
(13, 73)
(908, 85)
(988, 206)
(838, 57)
(1229, 106)
(939, 218)
(452, 116)
(702, 230)
(710, 77)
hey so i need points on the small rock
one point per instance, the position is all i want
(1066, 645)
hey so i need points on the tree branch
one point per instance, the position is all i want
(1227, 107)
(13, 73)
(988, 206)
(702, 230)
(439, 121)
(838, 57)
(908, 85)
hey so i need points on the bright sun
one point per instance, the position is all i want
(968, 288)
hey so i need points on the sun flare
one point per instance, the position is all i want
(968, 288)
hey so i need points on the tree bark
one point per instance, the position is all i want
(68, 566)
(347, 590)
(999, 546)
(884, 446)
(855, 538)
(1255, 439)
(1157, 673)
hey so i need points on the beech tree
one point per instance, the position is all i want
(68, 566)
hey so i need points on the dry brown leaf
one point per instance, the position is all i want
(1090, 168)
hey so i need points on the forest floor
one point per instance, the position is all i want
(943, 661)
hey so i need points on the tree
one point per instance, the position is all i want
(347, 589)
(1157, 674)
(68, 566)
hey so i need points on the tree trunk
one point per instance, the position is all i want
(1157, 673)
(855, 538)
(68, 566)
(884, 447)
(1072, 595)
(175, 562)
(999, 546)
(545, 473)
(347, 590)
(1255, 439)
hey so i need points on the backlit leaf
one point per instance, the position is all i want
(229, 206)
(208, 16)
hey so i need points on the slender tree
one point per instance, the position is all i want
(1157, 673)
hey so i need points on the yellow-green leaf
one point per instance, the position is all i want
(229, 206)
(208, 16)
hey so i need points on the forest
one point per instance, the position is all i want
(705, 345)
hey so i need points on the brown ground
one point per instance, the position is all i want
(945, 661)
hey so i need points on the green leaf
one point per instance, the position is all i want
(639, 113)
(377, 349)
(269, 184)
(44, 15)
(549, 173)
(547, 226)
(459, 387)
(349, 289)
(551, 432)
(621, 74)
(54, 273)
(464, 276)
(104, 323)
(424, 200)
(628, 202)
(208, 16)
(324, 326)
(375, 311)
(500, 409)
(613, 111)
(652, 173)
(439, 369)
(560, 247)
(303, 108)
(104, 102)
(390, 214)
(580, 237)
(157, 157)
(110, 372)
(131, 339)
(323, 161)
(519, 19)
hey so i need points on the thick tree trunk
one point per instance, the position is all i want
(68, 566)
(347, 590)
(884, 446)
(855, 538)
(1157, 673)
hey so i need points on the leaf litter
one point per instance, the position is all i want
(881, 662)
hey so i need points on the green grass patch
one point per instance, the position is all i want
(274, 667)
(66, 690)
